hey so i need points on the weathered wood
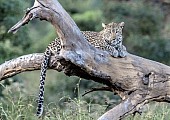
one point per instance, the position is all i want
(135, 79)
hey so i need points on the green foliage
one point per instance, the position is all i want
(44, 35)
(89, 20)
(79, 6)
(11, 45)
(153, 48)
(139, 17)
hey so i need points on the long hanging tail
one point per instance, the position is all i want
(44, 66)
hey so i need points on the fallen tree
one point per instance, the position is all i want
(135, 79)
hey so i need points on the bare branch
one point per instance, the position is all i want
(21, 64)
(30, 14)
(123, 109)
(98, 89)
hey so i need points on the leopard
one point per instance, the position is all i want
(109, 39)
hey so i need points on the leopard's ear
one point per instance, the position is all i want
(103, 25)
(122, 24)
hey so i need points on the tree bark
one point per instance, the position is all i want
(135, 79)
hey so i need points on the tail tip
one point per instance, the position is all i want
(39, 112)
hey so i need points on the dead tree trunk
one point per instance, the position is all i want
(136, 80)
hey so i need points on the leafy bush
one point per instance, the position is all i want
(12, 45)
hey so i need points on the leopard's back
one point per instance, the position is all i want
(95, 39)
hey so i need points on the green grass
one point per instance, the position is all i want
(154, 111)
(18, 104)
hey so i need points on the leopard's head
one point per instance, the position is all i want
(112, 32)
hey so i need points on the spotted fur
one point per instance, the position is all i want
(109, 39)
(53, 48)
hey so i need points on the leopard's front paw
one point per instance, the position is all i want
(115, 53)
(122, 51)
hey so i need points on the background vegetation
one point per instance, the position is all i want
(146, 34)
